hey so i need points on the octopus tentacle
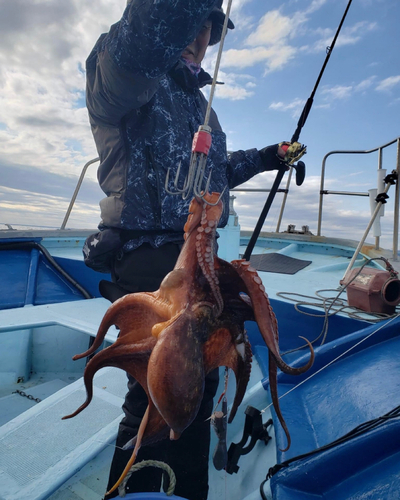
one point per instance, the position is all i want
(138, 309)
(205, 242)
(242, 374)
(273, 384)
(265, 316)
(170, 339)
(142, 427)
(231, 348)
(133, 359)
(156, 430)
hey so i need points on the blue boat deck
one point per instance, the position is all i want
(361, 385)
(343, 390)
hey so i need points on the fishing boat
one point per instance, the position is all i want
(342, 414)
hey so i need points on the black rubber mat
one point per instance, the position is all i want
(278, 263)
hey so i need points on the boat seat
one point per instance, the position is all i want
(80, 315)
(39, 451)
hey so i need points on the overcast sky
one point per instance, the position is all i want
(270, 64)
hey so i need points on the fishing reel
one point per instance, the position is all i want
(294, 151)
(300, 169)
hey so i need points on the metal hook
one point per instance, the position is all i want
(178, 190)
(202, 196)
(200, 171)
(194, 181)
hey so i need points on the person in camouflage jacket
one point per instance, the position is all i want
(145, 103)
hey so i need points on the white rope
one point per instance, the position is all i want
(335, 304)
(149, 463)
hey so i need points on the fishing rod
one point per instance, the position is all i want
(300, 167)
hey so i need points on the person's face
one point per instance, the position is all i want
(196, 51)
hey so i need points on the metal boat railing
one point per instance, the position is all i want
(285, 190)
(78, 186)
(94, 160)
(90, 162)
(280, 190)
(324, 191)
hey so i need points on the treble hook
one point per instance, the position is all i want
(178, 191)
(198, 181)
(193, 184)
(198, 192)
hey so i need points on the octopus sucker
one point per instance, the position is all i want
(172, 338)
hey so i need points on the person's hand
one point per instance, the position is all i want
(281, 155)
(291, 152)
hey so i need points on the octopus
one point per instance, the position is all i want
(172, 338)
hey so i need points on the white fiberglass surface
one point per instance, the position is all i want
(90, 482)
(37, 362)
(254, 466)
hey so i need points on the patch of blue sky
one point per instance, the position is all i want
(74, 145)
(3, 126)
(79, 100)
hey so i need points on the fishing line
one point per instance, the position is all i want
(223, 395)
(108, 444)
(308, 378)
(333, 361)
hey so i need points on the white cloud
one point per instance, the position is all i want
(236, 86)
(348, 36)
(42, 81)
(388, 83)
(354, 33)
(273, 29)
(365, 84)
(233, 92)
(296, 106)
(331, 94)
(275, 57)
(341, 92)
(338, 92)
(271, 41)
(315, 5)
(241, 21)
(268, 43)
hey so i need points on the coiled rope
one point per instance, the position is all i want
(332, 306)
(149, 463)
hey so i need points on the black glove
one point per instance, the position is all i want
(280, 154)
(269, 157)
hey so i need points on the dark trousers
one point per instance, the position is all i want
(143, 270)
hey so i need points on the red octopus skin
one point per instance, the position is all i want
(172, 338)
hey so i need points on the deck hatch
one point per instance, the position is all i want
(278, 263)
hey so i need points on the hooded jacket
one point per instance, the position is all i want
(144, 108)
